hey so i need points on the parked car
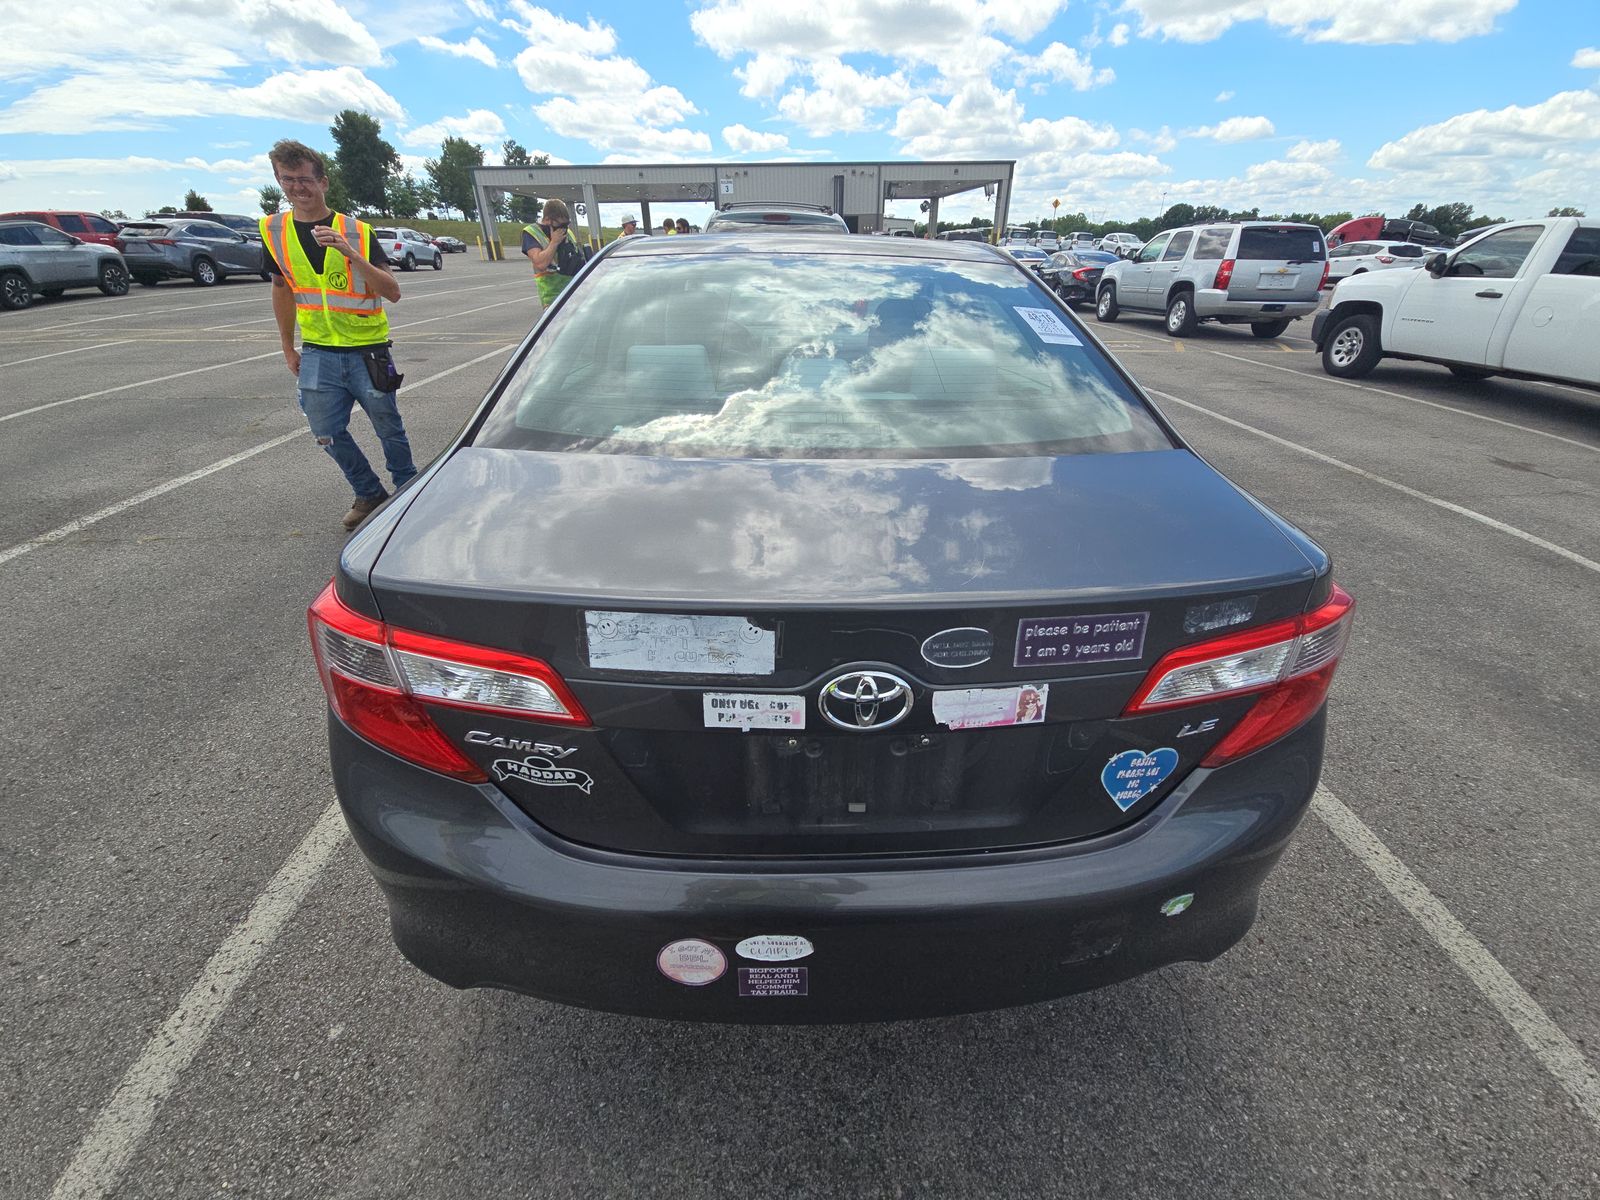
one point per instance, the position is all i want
(450, 245)
(36, 258)
(1383, 229)
(1357, 258)
(249, 226)
(1029, 256)
(1519, 300)
(791, 218)
(1074, 275)
(85, 226)
(1123, 245)
(1048, 242)
(649, 696)
(405, 248)
(1260, 273)
(203, 251)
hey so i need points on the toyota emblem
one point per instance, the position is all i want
(863, 700)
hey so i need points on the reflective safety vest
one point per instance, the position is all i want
(335, 307)
(549, 281)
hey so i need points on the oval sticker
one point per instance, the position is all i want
(968, 646)
(691, 962)
(774, 947)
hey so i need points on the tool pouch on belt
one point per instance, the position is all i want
(381, 369)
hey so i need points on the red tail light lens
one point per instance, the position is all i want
(163, 241)
(376, 676)
(1324, 281)
(1291, 663)
(1083, 273)
(1224, 275)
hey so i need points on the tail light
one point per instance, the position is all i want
(1324, 281)
(162, 241)
(1083, 273)
(377, 677)
(1224, 275)
(1290, 663)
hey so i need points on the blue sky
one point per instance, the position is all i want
(1309, 105)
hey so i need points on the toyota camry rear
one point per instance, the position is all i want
(820, 629)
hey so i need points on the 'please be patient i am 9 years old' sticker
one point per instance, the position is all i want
(1097, 638)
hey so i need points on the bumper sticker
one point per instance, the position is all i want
(774, 947)
(985, 708)
(773, 981)
(543, 772)
(1203, 618)
(664, 644)
(753, 710)
(1100, 637)
(691, 962)
(968, 646)
(1177, 905)
(1132, 775)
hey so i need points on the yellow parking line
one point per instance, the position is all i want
(1177, 345)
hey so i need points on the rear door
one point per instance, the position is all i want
(1276, 263)
(224, 246)
(20, 247)
(62, 262)
(1554, 329)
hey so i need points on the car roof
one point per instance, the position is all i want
(796, 241)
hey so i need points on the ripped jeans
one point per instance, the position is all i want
(332, 383)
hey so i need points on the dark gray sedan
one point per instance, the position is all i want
(203, 251)
(821, 629)
(39, 259)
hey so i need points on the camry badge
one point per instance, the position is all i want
(863, 700)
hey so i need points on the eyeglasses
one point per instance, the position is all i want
(565, 226)
(298, 180)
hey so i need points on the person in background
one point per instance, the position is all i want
(630, 225)
(666, 227)
(683, 225)
(542, 242)
(330, 278)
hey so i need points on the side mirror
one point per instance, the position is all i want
(74, 239)
(1435, 265)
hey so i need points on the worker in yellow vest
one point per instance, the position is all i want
(330, 279)
(548, 245)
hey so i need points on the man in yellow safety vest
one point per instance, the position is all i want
(542, 243)
(330, 278)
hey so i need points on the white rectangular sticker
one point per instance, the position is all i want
(984, 708)
(704, 645)
(753, 710)
(1049, 327)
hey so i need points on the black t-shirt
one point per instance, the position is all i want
(318, 254)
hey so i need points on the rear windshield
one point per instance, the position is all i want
(815, 356)
(1285, 243)
(386, 235)
(814, 222)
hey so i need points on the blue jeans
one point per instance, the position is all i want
(332, 383)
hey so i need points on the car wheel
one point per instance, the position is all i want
(114, 279)
(1470, 372)
(1352, 349)
(1180, 315)
(205, 272)
(1268, 329)
(1105, 308)
(411, 262)
(15, 291)
(438, 261)
(148, 280)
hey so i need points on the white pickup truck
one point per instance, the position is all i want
(1521, 299)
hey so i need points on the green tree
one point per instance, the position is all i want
(403, 196)
(1178, 214)
(1565, 212)
(338, 194)
(451, 175)
(193, 201)
(365, 160)
(113, 214)
(271, 199)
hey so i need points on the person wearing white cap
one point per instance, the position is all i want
(630, 225)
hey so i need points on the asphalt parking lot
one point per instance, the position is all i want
(200, 995)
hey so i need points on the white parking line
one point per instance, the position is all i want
(17, 362)
(1541, 1035)
(1470, 514)
(123, 387)
(429, 295)
(111, 510)
(127, 1116)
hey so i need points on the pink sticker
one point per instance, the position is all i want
(691, 962)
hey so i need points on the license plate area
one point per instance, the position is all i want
(1275, 282)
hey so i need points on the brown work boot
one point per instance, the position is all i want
(362, 509)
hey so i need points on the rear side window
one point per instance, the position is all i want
(1212, 244)
(71, 222)
(49, 236)
(1581, 255)
(100, 225)
(1282, 243)
(17, 235)
(1178, 246)
(815, 356)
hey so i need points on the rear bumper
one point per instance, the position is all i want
(481, 896)
(1211, 304)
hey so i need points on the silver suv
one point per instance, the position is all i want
(1258, 273)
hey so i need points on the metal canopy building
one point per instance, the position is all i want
(857, 191)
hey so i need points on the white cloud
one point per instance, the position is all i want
(764, 75)
(1063, 64)
(1160, 141)
(480, 9)
(843, 98)
(1234, 129)
(1364, 22)
(1320, 152)
(1119, 34)
(1587, 59)
(471, 48)
(479, 126)
(1224, 97)
(619, 126)
(743, 140)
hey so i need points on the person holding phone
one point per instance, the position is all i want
(542, 243)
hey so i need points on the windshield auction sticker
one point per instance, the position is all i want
(1047, 326)
(753, 710)
(985, 708)
(664, 644)
(1101, 637)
